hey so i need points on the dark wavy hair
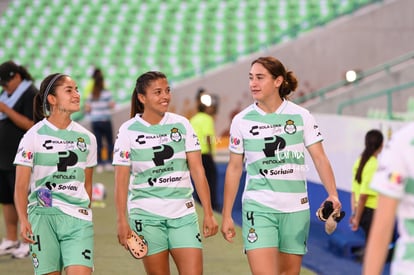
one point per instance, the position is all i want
(276, 68)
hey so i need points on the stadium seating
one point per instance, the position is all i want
(125, 38)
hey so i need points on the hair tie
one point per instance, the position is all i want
(49, 86)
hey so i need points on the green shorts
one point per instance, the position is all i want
(162, 235)
(60, 240)
(287, 231)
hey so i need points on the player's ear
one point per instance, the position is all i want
(141, 98)
(278, 81)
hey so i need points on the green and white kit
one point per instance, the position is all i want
(58, 158)
(160, 184)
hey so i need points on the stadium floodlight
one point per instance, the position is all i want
(351, 76)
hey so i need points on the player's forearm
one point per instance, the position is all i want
(88, 182)
(327, 177)
(231, 186)
(20, 194)
(20, 201)
(121, 206)
(203, 191)
(121, 192)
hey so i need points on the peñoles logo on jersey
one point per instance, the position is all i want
(162, 153)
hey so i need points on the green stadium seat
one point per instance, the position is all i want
(128, 38)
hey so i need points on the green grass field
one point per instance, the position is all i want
(220, 257)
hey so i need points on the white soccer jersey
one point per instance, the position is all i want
(274, 150)
(160, 183)
(58, 159)
(395, 178)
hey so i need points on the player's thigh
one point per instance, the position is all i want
(184, 232)
(77, 242)
(157, 263)
(288, 232)
(154, 233)
(78, 270)
(289, 263)
(294, 232)
(188, 260)
(45, 252)
(263, 260)
(260, 230)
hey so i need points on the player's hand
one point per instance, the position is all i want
(227, 229)
(210, 226)
(26, 231)
(124, 233)
(335, 201)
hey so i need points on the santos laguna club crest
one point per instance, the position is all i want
(252, 236)
(290, 127)
(81, 144)
(175, 135)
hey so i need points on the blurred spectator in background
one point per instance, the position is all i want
(203, 124)
(99, 105)
(363, 198)
(16, 117)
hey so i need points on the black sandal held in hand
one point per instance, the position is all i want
(330, 216)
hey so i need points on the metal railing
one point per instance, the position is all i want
(321, 93)
(386, 92)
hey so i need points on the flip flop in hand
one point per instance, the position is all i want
(137, 246)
